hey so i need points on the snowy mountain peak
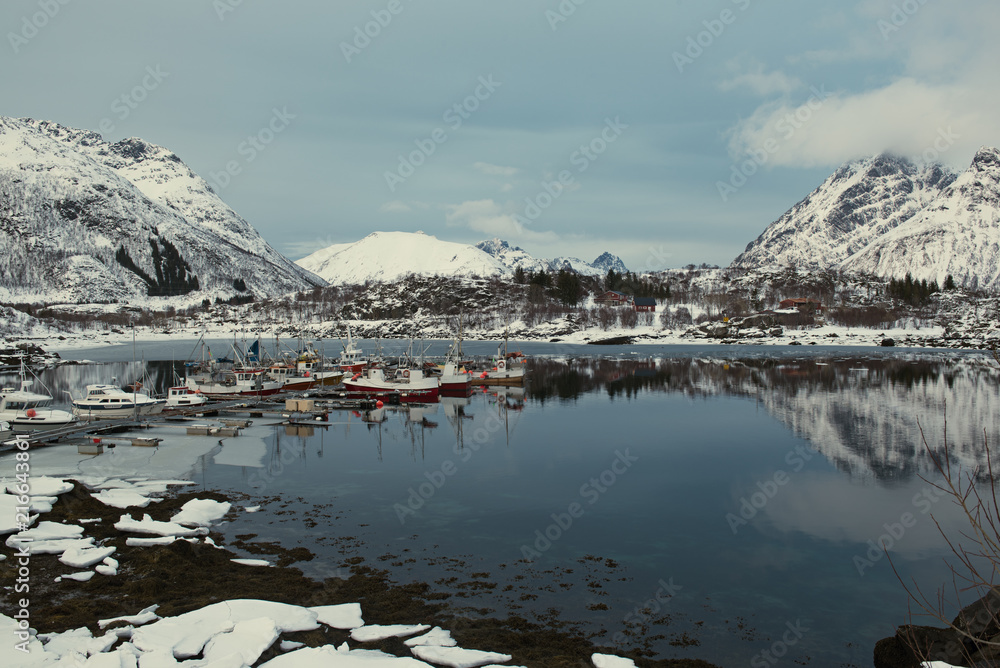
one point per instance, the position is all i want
(606, 262)
(856, 205)
(389, 256)
(957, 234)
(84, 220)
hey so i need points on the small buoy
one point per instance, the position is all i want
(306, 374)
(356, 376)
(379, 404)
(97, 441)
(30, 412)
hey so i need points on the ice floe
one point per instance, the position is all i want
(345, 616)
(611, 661)
(9, 509)
(150, 526)
(43, 486)
(436, 637)
(201, 512)
(144, 616)
(118, 497)
(252, 562)
(376, 632)
(86, 557)
(456, 657)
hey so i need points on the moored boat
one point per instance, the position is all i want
(182, 396)
(221, 383)
(23, 409)
(502, 372)
(411, 385)
(112, 402)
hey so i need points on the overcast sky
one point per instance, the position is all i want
(567, 128)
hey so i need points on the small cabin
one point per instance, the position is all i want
(803, 304)
(644, 304)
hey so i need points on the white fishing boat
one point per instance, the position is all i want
(411, 384)
(25, 410)
(502, 371)
(106, 402)
(352, 360)
(182, 396)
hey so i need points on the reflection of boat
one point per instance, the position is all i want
(412, 386)
(111, 401)
(23, 409)
(183, 397)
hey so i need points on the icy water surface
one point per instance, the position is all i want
(723, 503)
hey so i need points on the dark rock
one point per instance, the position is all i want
(887, 343)
(980, 619)
(613, 341)
(893, 653)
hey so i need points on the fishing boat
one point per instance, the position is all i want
(291, 379)
(224, 378)
(104, 402)
(181, 396)
(217, 382)
(410, 384)
(311, 364)
(502, 372)
(23, 409)
(352, 360)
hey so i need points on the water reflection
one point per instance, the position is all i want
(865, 416)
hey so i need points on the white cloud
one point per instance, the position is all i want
(488, 217)
(947, 87)
(395, 207)
(495, 170)
(753, 76)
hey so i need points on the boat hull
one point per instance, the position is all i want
(118, 412)
(406, 394)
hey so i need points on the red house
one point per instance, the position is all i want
(612, 297)
(802, 304)
(644, 304)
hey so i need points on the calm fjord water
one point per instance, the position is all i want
(727, 503)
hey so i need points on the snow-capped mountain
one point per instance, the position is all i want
(859, 203)
(388, 256)
(84, 220)
(513, 257)
(957, 234)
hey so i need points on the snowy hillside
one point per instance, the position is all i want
(858, 204)
(388, 256)
(82, 220)
(957, 234)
